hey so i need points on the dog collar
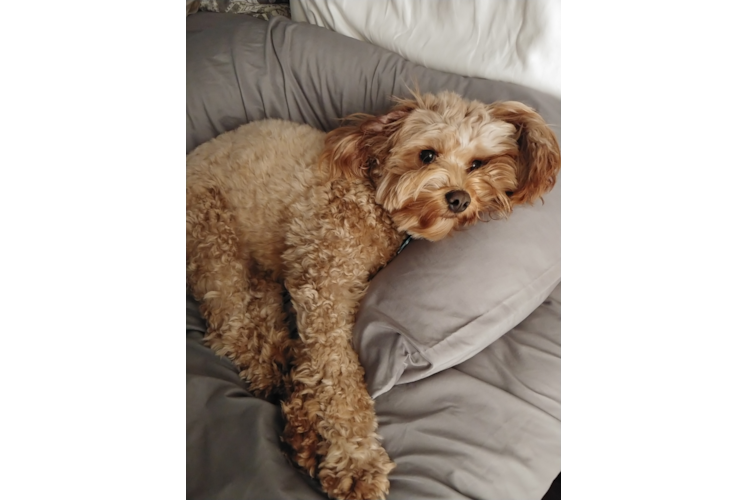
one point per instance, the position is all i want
(405, 244)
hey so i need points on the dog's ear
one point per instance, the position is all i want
(350, 150)
(539, 154)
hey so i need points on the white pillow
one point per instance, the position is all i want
(508, 40)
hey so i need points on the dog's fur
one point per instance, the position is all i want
(276, 205)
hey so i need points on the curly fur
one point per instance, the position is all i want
(276, 206)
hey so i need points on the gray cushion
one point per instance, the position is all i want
(244, 69)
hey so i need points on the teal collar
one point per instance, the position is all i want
(405, 244)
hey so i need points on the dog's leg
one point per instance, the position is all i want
(242, 306)
(330, 420)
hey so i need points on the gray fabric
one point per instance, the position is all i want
(488, 428)
(455, 434)
(245, 69)
(438, 304)
(232, 438)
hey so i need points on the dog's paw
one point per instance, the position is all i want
(357, 478)
(359, 485)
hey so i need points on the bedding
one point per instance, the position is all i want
(516, 41)
(253, 70)
(460, 423)
(486, 429)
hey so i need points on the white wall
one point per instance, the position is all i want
(585, 22)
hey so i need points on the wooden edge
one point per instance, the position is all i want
(569, 159)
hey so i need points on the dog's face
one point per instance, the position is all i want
(440, 163)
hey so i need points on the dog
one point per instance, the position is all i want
(277, 208)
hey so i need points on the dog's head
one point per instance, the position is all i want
(440, 162)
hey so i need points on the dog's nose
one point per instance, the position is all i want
(457, 201)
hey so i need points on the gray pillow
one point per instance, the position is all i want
(436, 304)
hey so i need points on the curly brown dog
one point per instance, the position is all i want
(275, 205)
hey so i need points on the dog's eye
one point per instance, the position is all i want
(476, 164)
(427, 156)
